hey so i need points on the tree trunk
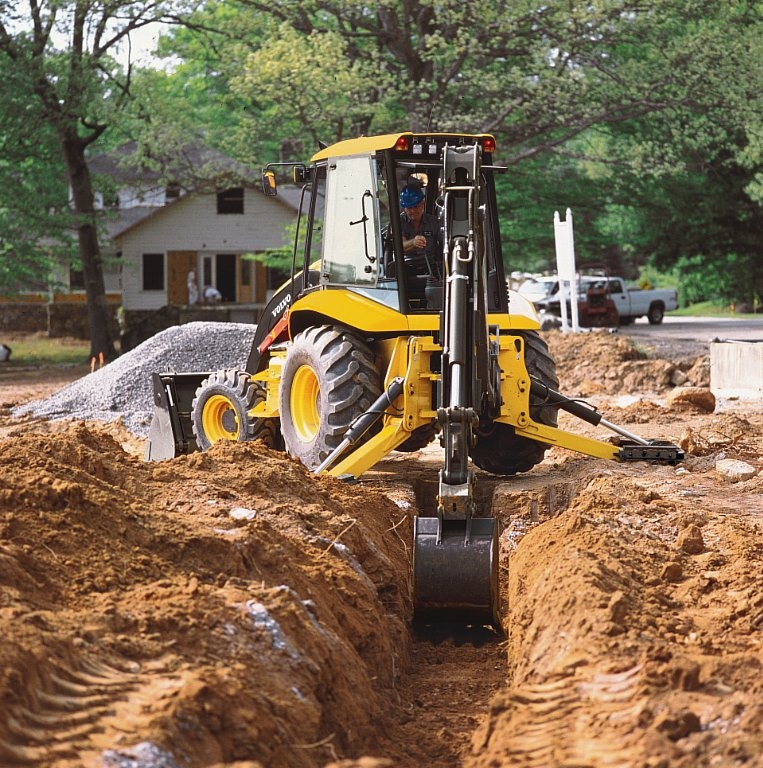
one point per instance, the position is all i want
(98, 314)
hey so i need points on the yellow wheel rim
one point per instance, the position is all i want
(218, 412)
(304, 404)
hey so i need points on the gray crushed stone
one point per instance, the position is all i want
(143, 755)
(123, 390)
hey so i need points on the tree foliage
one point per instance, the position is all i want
(602, 107)
(643, 118)
(685, 177)
(63, 56)
(536, 75)
(33, 194)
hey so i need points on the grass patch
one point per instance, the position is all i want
(711, 309)
(39, 350)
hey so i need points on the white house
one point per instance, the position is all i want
(203, 238)
(162, 238)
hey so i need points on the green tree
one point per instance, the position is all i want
(684, 178)
(190, 94)
(63, 55)
(33, 195)
(605, 107)
(590, 103)
(535, 74)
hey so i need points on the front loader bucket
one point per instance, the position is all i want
(170, 433)
(455, 570)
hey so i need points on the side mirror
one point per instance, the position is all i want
(269, 187)
(302, 174)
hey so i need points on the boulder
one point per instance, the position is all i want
(699, 398)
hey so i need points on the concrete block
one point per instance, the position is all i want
(736, 366)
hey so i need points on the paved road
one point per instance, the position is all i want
(687, 336)
(700, 328)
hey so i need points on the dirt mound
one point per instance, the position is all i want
(600, 362)
(231, 610)
(625, 638)
(222, 606)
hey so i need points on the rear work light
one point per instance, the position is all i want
(488, 144)
(402, 144)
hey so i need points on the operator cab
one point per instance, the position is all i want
(355, 222)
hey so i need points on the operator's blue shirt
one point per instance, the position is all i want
(423, 261)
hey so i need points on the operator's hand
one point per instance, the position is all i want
(418, 241)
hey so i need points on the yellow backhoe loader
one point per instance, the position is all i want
(365, 351)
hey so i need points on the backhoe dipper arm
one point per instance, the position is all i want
(455, 557)
(461, 363)
(631, 448)
(583, 411)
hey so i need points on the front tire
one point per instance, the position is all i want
(327, 381)
(501, 451)
(656, 314)
(220, 411)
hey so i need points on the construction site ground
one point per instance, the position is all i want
(230, 609)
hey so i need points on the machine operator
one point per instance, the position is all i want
(421, 234)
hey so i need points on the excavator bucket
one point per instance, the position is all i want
(455, 569)
(170, 433)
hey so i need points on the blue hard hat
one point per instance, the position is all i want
(411, 196)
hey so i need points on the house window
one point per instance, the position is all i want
(153, 271)
(76, 280)
(231, 200)
(246, 272)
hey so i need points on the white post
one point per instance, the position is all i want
(565, 267)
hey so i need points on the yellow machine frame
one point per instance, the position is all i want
(407, 356)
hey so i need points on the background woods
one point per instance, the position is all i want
(645, 119)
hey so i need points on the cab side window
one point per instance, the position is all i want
(319, 212)
(351, 239)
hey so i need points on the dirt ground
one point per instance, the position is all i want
(230, 609)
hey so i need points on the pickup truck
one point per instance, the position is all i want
(629, 302)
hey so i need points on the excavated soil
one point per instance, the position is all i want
(230, 609)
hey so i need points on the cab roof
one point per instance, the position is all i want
(365, 145)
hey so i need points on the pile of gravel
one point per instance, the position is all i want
(123, 388)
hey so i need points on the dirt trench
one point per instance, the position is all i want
(229, 609)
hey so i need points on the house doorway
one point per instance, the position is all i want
(179, 264)
(225, 275)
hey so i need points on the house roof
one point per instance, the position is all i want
(291, 195)
(119, 221)
(192, 166)
(195, 168)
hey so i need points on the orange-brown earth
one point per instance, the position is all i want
(230, 609)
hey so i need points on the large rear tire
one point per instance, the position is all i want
(501, 451)
(420, 438)
(220, 411)
(327, 381)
